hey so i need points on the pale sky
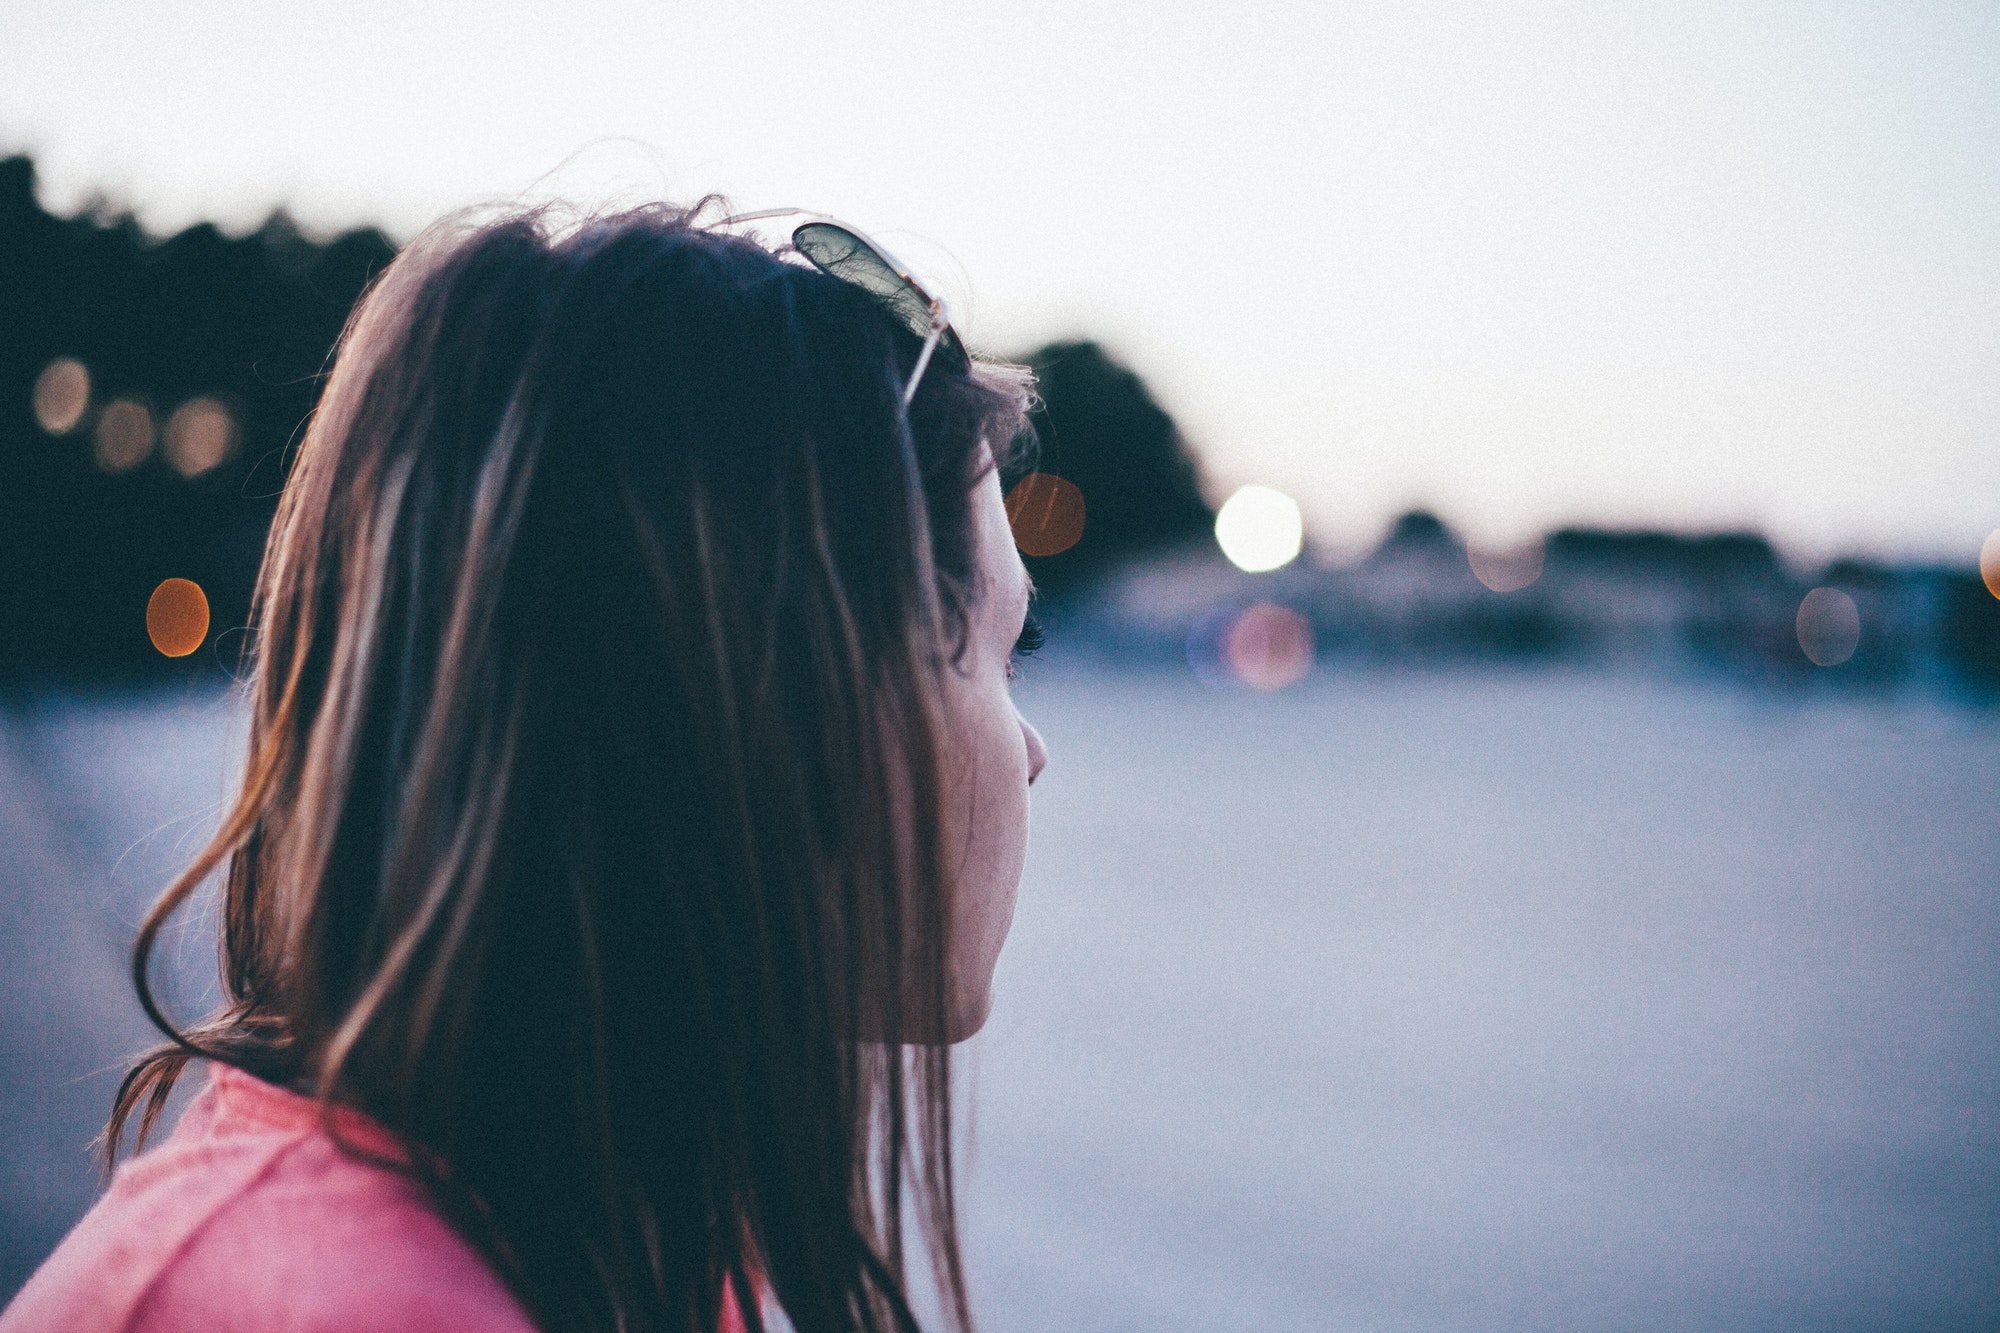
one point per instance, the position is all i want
(1694, 264)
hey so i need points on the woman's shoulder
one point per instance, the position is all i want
(250, 1216)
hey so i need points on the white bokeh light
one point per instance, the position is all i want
(1829, 626)
(1259, 529)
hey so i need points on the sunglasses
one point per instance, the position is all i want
(839, 251)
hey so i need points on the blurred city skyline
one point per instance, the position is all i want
(1527, 265)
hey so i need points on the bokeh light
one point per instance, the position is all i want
(1989, 563)
(1046, 513)
(201, 436)
(1259, 529)
(124, 435)
(1262, 647)
(1269, 647)
(1829, 626)
(62, 395)
(177, 617)
(1509, 569)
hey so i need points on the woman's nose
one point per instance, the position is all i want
(1038, 752)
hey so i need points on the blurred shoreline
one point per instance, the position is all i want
(1724, 607)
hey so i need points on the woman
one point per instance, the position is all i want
(632, 816)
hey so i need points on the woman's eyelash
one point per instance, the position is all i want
(1027, 643)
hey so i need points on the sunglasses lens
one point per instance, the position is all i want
(846, 256)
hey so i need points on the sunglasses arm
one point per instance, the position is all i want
(923, 360)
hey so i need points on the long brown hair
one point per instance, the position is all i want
(589, 837)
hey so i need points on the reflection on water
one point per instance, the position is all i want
(1437, 1002)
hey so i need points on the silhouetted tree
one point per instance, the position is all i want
(1418, 530)
(1100, 428)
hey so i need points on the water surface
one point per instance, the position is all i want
(1430, 1003)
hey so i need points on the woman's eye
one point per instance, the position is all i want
(1024, 646)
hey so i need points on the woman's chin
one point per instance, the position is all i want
(969, 1015)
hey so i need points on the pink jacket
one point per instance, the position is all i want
(249, 1218)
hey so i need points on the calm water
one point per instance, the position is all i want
(1455, 1002)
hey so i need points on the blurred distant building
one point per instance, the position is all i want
(1628, 601)
(150, 390)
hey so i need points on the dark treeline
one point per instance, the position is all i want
(97, 507)
(244, 323)
(1729, 598)
(152, 390)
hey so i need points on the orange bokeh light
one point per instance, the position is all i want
(1989, 563)
(1046, 513)
(177, 617)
